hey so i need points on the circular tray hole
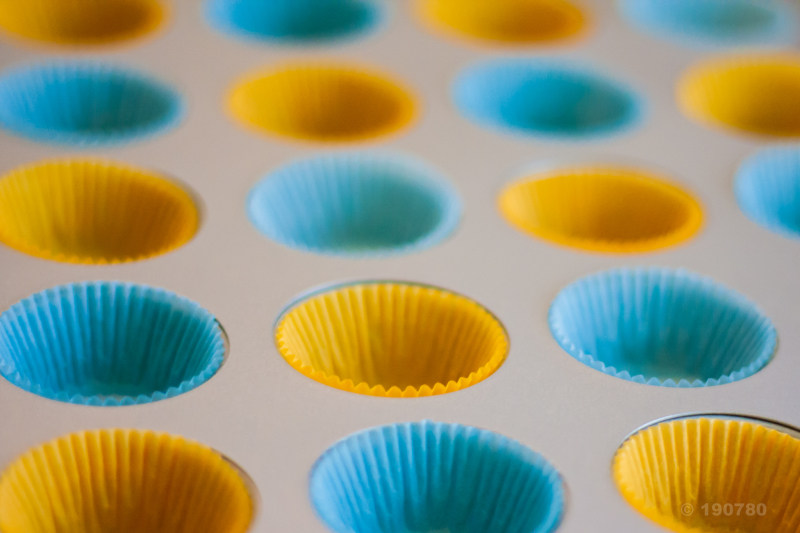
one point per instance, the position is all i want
(109, 343)
(394, 339)
(430, 476)
(605, 209)
(322, 103)
(662, 327)
(124, 480)
(355, 204)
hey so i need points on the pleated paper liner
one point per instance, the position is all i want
(93, 212)
(600, 208)
(386, 338)
(80, 22)
(294, 21)
(662, 326)
(714, 23)
(544, 98)
(767, 189)
(83, 103)
(713, 474)
(431, 476)
(355, 204)
(322, 102)
(515, 22)
(109, 343)
(757, 94)
(125, 481)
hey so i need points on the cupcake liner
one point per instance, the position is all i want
(355, 204)
(520, 22)
(84, 104)
(294, 21)
(671, 470)
(543, 98)
(431, 476)
(109, 343)
(767, 188)
(714, 22)
(602, 209)
(322, 103)
(757, 94)
(661, 326)
(126, 481)
(81, 22)
(395, 339)
(93, 212)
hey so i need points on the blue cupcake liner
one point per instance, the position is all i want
(661, 326)
(767, 188)
(716, 23)
(85, 104)
(544, 98)
(432, 476)
(358, 204)
(109, 343)
(295, 21)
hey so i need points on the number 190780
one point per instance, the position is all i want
(734, 509)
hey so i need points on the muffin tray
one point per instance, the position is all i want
(470, 296)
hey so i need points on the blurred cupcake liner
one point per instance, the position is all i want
(544, 98)
(109, 343)
(601, 208)
(355, 204)
(395, 339)
(767, 188)
(662, 326)
(514, 22)
(673, 470)
(81, 22)
(82, 103)
(756, 94)
(714, 22)
(431, 476)
(322, 103)
(295, 21)
(124, 480)
(93, 212)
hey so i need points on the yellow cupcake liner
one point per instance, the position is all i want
(713, 474)
(756, 94)
(93, 212)
(391, 339)
(602, 209)
(126, 481)
(80, 22)
(322, 103)
(505, 21)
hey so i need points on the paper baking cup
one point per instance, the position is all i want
(714, 22)
(430, 476)
(755, 94)
(601, 208)
(80, 22)
(293, 21)
(109, 343)
(767, 188)
(543, 98)
(93, 212)
(126, 481)
(713, 473)
(396, 339)
(323, 103)
(358, 204)
(662, 326)
(504, 21)
(83, 103)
